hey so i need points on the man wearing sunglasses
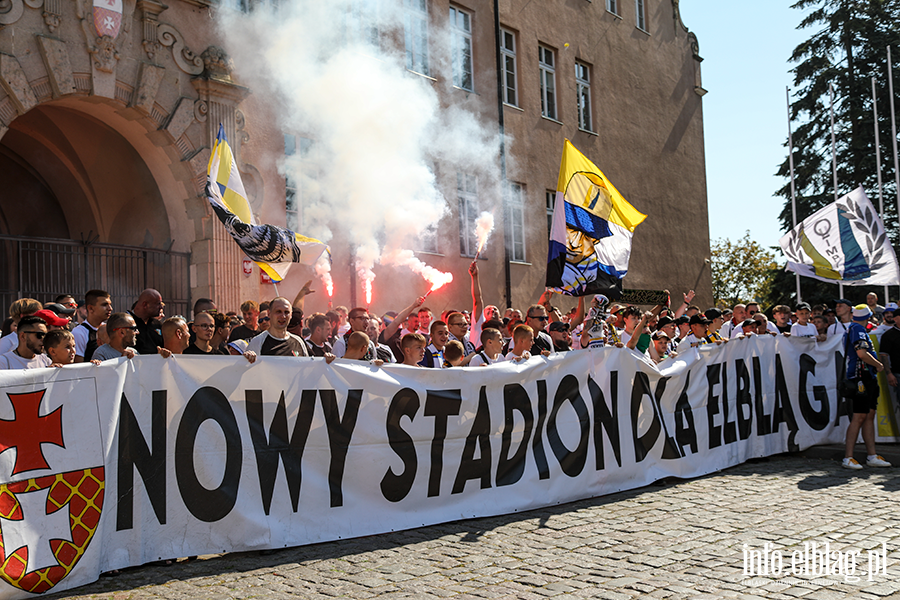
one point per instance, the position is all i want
(28, 355)
(122, 331)
(537, 318)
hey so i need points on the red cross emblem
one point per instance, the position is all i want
(29, 430)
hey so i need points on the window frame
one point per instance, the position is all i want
(460, 34)
(548, 75)
(550, 201)
(467, 204)
(640, 10)
(582, 85)
(507, 56)
(515, 212)
(416, 15)
(612, 7)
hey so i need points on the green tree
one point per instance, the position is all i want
(847, 48)
(741, 271)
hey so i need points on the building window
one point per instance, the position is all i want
(416, 35)
(428, 241)
(612, 6)
(547, 66)
(515, 207)
(551, 202)
(467, 192)
(360, 21)
(300, 180)
(461, 48)
(583, 86)
(641, 17)
(508, 54)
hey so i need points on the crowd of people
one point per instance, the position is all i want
(68, 331)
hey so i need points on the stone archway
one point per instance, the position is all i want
(84, 113)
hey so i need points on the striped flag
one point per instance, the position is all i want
(273, 248)
(590, 239)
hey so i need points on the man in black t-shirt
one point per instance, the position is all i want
(277, 340)
(250, 328)
(319, 330)
(889, 353)
(146, 312)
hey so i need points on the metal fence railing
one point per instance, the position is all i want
(42, 269)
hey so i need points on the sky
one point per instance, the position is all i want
(745, 50)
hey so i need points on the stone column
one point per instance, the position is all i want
(217, 257)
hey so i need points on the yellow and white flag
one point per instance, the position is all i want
(273, 248)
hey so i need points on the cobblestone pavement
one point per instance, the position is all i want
(676, 539)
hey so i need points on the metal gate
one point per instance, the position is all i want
(43, 268)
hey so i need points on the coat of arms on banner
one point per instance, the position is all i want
(51, 484)
(107, 17)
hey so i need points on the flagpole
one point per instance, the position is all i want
(787, 94)
(878, 167)
(893, 128)
(834, 165)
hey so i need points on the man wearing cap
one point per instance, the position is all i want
(803, 328)
(52, 320)
(714, 316)
(888, 316)
(559, 333)
(843, 310)
(862, 368)
(697, 336)
(659, 349)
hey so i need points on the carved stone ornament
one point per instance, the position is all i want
(11, 11)
(52, 13)
(105, 54)
(151, 48)
(217, 63)
(240, 125)
(201, 111)
(186, 60)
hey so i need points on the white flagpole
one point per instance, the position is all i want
(834, 165)
(878, 167)
(787, 94)
(893, 127)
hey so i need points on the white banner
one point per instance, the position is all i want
(163, 458)
(843, 242)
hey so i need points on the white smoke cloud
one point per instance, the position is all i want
(378, 129)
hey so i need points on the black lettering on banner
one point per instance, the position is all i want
(783, 411)
(729, 427)
(469, 466)
(712, 405)
(817, 419)
(537, 445)
(150, 464)
(571, 462)
(394, 487)
(340, 430)
(844, 406)
(606, 418)
(643, 444)
(744, 402)
(208, 505)
(279, 445)
(511, 468)
(685, 431)
(439, 404)
(763, 421)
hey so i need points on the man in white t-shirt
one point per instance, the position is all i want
(277, 340)
(844, 311)
(738, 314)
(888, 323)
(28, 352)
(99, 308)
(803, 328)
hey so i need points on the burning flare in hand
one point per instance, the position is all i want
(484, 225)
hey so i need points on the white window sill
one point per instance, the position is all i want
(422, 75)
(616, 16)
(552, 120)
(513, 106)
(462, 89)
(588, 131)
(519, 262)
(642, 30)
(428, 253)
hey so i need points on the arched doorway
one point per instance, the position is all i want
(81, 209)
